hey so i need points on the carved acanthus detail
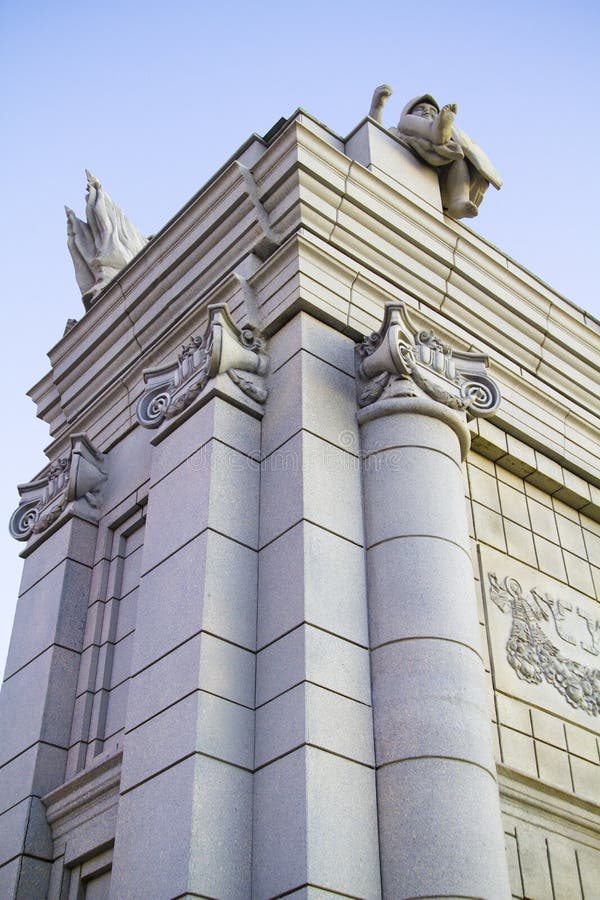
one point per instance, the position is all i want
(72, 481)
(401, 361)
(534, 657)
(223, 348)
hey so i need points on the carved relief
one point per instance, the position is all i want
(223, 348)
(73, 481)
(532, 654)
(399, 361)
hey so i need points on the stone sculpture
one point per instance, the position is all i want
(464, 170)
(104, 244)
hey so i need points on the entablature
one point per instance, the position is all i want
(304, 226)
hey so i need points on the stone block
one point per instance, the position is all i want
(38, 702)
(120, 668)
(309, 574)
(131, 571)
(553, 766)
(518, 751)
(200, 723)
(310, 478)
(514, 505)
(127, 614)
(216, 487)
(571, 535)
(308, 333)
(400, 481)
(210, 583)
(422, 594)
(309, 393)
(543, 520)
(116, 710)
(186, 830)
(24, 878)
(579, 573)
(563, 862)
(387, 434)
(36, 771)
(512, 713)
(382, 153)
(343, 850)
(309, 654)
(588, 860)
(484, 488)
(550, 559)
(219, 420)
(204, 662)
(24, 829)
(586, 779)
(279, 827)
(313, 715)
(76, 541)
(442, 839)
(582, 743)
(53, 611)
(488, 527)
(441, 709)
(129, 467)
(548, 728)
(533, 855)
(519, 542)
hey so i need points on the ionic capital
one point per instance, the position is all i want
(72, 483)
(224, 348)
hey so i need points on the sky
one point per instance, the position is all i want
(153, 97)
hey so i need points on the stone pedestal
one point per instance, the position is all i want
(439, 812)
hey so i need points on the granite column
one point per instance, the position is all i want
(438, 805)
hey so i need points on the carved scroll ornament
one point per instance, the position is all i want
(534, 657)
(401, 361)
(223, 348)
(75, 480)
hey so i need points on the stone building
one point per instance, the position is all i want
(309, 603)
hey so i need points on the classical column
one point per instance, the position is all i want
(438, 804)
(57, 517)
(185, 810)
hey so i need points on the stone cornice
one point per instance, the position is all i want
(530, 799)
(373, 240)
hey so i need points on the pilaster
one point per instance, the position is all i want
(315, 817)
(185, 808)
(57, 517)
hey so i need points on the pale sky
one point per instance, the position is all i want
(153, 97)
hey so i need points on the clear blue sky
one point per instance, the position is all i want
(154, 96)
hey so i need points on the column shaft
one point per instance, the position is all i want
(439, 815)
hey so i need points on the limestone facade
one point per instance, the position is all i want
(279, 637)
